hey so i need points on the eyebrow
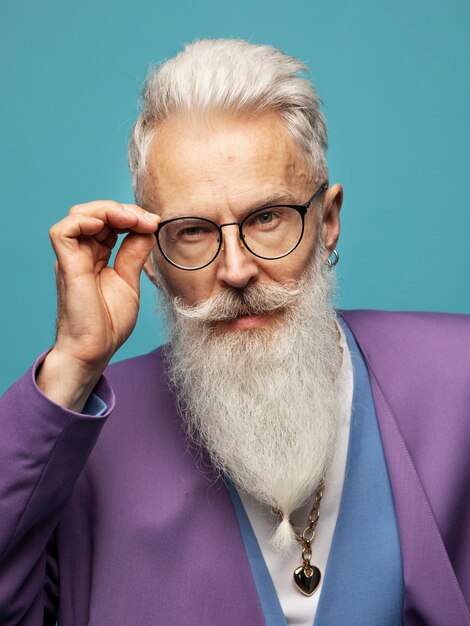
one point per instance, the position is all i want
(277, 198)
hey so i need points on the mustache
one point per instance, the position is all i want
(254, 299)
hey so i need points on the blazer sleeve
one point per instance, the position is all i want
(43, 448)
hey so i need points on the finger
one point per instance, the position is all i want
(98, 203)
(131, 257)
(103, 234)
(65, 233)
(106, 237)
(75, 244)
(102, 263)
(119, 216)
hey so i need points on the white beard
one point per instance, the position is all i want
(262, 402)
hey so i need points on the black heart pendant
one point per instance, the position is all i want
(307, 579)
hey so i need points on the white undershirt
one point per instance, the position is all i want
(297, 608)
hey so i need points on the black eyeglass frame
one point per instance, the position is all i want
(300, 208)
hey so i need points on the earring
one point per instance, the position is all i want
(330, 263)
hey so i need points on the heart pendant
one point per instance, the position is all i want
(307, 581)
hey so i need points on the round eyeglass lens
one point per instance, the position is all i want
(189, 243)
(273, 232)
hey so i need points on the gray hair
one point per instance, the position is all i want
(233, 77)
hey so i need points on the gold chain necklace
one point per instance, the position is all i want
(307, 576)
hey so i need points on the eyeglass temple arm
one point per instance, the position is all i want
(320, 189)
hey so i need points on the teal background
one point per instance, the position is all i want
(394, 78)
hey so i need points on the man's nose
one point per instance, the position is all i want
(237, 266)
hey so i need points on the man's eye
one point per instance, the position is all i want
(265, 219)
(190, 232)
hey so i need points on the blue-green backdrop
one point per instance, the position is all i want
(394, 78)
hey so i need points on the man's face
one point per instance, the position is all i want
(221, 169)
(263, 403)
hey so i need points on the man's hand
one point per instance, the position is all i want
(97, 304)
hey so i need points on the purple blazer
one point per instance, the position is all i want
(140, 536)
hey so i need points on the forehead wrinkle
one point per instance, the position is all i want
(235, 177)
(234, 200)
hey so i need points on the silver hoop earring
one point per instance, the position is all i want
(330, 263)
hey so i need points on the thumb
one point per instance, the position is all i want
(131, 257)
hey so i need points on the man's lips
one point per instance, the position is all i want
(244, 322)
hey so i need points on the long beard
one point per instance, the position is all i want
(262, 402)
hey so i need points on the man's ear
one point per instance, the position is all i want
(149, 269)
(331, 222)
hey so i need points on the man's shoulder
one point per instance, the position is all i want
(414, 347)
(403, 320)
(409, 330)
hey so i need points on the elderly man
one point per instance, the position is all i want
(275, 462)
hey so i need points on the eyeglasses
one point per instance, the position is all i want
(273, 232)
